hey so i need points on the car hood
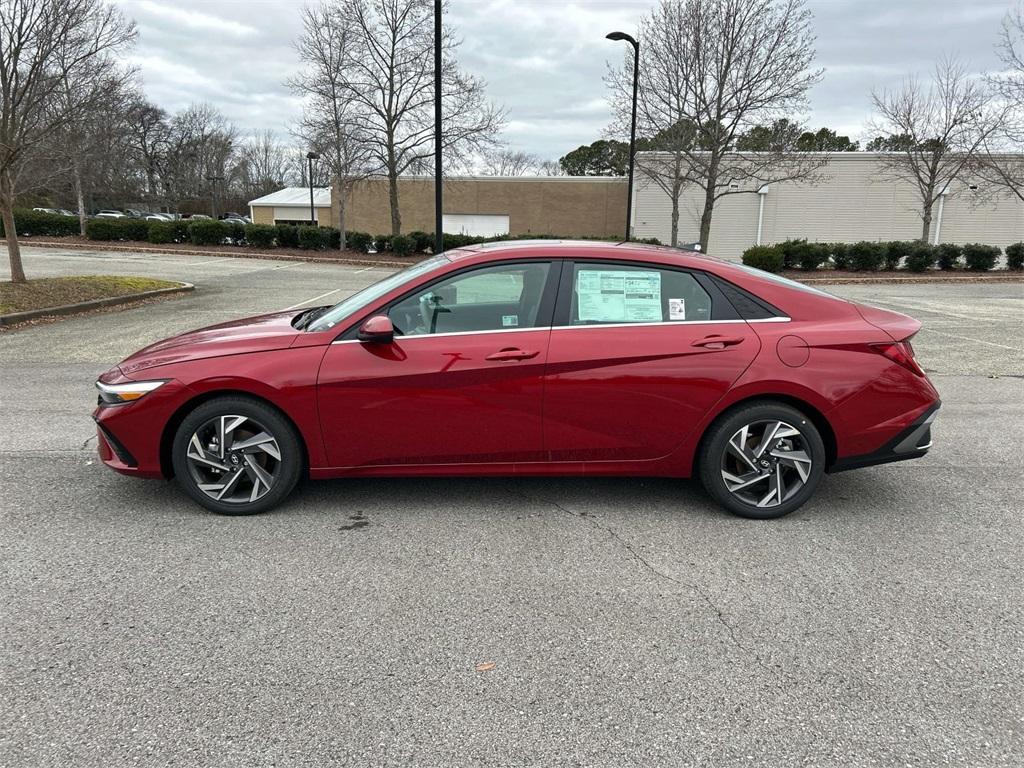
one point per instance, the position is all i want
(252, 334)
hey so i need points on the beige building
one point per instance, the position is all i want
(291, 206)
(580, 206)
(854, 199)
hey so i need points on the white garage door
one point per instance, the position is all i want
(476, 224)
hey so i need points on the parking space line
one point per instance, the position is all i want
(309, 301)
(970, 338)
(211, 261)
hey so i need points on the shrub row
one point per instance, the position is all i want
(28, 223)
(867, 256)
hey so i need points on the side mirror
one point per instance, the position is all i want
(377, 330)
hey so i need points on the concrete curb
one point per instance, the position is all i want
(247, 254)
(71, 309)
(981, 277)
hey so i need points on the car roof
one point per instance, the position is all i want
(601, 249)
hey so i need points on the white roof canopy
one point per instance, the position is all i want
(297, 197)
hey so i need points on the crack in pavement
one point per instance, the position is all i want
(774, 670)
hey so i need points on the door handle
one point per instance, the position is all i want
(511, 354)
(718, 342)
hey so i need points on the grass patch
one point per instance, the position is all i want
(47, 292)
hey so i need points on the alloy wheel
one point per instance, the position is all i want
(766, 463)
(233, 459)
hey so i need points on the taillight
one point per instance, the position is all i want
(901, 352)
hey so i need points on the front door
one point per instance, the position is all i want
(637, 357)
(461, 384)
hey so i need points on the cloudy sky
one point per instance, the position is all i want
(543, 59)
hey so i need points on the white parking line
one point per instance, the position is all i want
(309, 301)
(927, 329)
(222, 259)
(360, 271)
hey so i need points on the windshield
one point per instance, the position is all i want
(371, 293)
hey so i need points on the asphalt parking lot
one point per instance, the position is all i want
(629, 622)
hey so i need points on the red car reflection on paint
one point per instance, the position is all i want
(531, 358)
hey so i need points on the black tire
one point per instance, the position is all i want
(715, 446)
(286, 470)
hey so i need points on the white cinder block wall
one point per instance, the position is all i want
(855, 198)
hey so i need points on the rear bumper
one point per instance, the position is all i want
(911, 443)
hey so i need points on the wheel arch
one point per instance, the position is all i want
(821, 423)
(171, 427)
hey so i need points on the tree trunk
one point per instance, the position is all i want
(10, 231)
(711, 184)
(926, 222)
(396, 216)
(340, 218)
(675, 217)
(80, 198)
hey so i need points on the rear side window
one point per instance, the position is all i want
(619, 293)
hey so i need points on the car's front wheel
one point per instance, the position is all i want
(763, 460)
(236, 456)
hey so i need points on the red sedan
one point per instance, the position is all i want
(531, 358)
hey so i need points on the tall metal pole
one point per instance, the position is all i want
(438, 218)
(632, 125)
(312, 209)
(632, 140)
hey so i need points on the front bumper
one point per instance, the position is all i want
(911, 443)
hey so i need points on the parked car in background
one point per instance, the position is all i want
(46, 210)
(66, 212)
(531, 358)
(111, 214)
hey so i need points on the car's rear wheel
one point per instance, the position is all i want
(762, 460)
(236, 456)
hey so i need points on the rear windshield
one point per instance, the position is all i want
(783, 281)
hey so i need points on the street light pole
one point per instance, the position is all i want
(213, 194)
(438, 217)
(632, 124)
(311, 156)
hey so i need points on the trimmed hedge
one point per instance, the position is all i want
(1015, 256)
(981, 258)
(207, 232)
(766, 257)
(260, 235)
(948, 255)
(161, 232)
(117, 229)
(866, 256)
(359, 241)
(287, 235)
(402, 245)
(312, 238)
(30, 223)
(895, 252)
(920, 256)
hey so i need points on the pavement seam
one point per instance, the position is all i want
(772, 670)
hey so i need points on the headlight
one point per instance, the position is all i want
(116, 394)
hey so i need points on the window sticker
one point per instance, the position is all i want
(509, 321)
(615, 296)
(677, 309)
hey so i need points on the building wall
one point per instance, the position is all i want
(855, 199)
(265, 214)
(569, 206)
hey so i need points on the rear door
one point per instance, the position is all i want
(638, 354)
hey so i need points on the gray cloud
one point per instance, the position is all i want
(543, 59)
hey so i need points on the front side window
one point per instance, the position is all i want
(502, 297)
(614, 293)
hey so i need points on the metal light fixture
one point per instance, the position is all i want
(617, 36)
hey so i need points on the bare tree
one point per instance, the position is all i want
(710, 69)
(392, 85)
(509, 162)
(1001, 164)
(264, 165)
(330, 122)
(43, 44)
(941, 129)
